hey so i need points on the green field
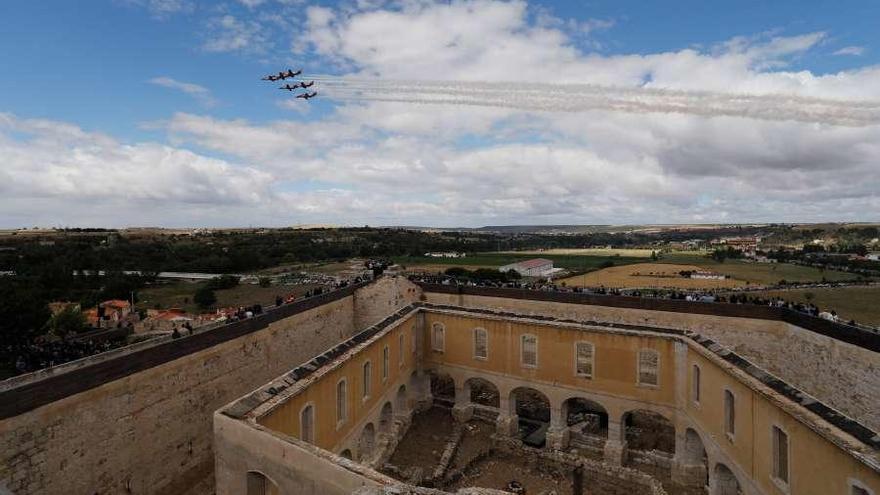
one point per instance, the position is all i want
(753, 273)
(574, 263)
(859, 303)
(760, 273)
(180, 294)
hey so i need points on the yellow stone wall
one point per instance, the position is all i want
(614, 363)
(817, 465)
(322, 392)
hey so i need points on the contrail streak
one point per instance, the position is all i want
(584, 97)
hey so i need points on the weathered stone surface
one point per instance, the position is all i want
(150, 432)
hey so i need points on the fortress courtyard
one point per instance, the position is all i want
(390, 386)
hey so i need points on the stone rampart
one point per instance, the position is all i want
(140, 422)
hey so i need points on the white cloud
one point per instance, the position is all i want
(404, 163)
(228, 33)
(200, 93)
(251, 3)
(90, 176)
(162, 9)
(851, 50)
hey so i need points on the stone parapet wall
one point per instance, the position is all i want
(842, 375)
(141, 422)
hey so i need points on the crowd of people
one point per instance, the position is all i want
(707, 296)
(45, 353)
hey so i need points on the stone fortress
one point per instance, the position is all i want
(349, 392)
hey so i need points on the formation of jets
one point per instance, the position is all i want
(290, 74)
(282, 75)
(298, 85)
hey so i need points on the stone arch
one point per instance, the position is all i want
(483, 392)
(401, 401)
(346, 454)
(695, 453)
(648, 430)
(415, 384)
(260, 484)
(386, 417)
(442, 388)
(366, 442)
(307, 423)
(588, 416)
(725, 481)
(532, 409)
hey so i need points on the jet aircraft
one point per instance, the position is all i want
(307, 96)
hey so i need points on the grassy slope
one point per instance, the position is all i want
(760, 273)
(859, 303)
(179, 295)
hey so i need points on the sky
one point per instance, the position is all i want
(118, 113)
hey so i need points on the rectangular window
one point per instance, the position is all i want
(584, 359)
(307, 424)
(857, 490)
(780, 455)
(341, 402)
(529, 350)
(481, 343)
(729, 413)
(438, 337)
(400, 347)
(695, 384)
(649, 364)
(386, 361)
(367, 378)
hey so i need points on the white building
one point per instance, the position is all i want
(538, 267)
(707, 276)
(449, 254)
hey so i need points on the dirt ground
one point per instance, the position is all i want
(648, 275)
(474, 442)
(425, 440)
(499, 470)
(423, 445)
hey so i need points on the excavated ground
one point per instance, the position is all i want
(425, 440)
(475, 464)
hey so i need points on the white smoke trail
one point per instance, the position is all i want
(583, 97)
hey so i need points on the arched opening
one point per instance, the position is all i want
(695, 452)
(346, 453)
(648, 430)
(307, 424)
(585, 416)
(400, 401)
(483, 392)
(533, 410)
(725, 481)
(442, 389)
(415, 384)
(366, 442)
(385, 418)
(259, 484)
